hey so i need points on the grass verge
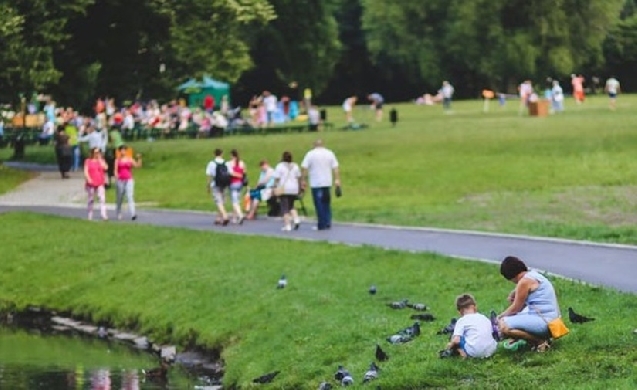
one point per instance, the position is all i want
(11, 178)
(178, 284)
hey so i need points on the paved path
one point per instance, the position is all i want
(610, 265)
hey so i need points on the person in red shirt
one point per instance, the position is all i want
(209, 103)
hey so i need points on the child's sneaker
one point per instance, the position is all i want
(514, 345)
(543, 346)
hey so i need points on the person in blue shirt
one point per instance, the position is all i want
(263, 190)
(377, 104)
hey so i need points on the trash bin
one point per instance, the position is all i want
(323, 115)
(539, 108)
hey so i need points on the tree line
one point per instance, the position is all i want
(77, 50)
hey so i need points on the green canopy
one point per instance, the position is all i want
(198, 90)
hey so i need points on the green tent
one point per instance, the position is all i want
(198, 90)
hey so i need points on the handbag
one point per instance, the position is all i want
(279, 189)
(557, 327)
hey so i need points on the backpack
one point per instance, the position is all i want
(222, 175)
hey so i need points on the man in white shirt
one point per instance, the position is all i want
(612, 88)
(320, 167)
(269, 101)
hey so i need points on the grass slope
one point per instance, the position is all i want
(10, 178)
(177, 284)
(570, 175)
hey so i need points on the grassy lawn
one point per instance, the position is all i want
(178, 284)
(570, 175)
(10, 178)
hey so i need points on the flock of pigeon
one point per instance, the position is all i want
(344, 378)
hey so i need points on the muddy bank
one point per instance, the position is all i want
(197, 361)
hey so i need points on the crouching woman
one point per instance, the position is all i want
(533, 304)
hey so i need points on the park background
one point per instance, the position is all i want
(79, 50)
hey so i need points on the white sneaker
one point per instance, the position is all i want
(286, 228)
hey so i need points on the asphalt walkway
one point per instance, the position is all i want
(605, 264)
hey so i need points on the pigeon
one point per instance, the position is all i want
(267, 378)
(418, 306)
(372, 290)
(425, 317)
(398, 304)
(381, 355)
(578, 318)
(341, 372)
(411, 331)
(449, 328)
(347, 380)
(446, 353)
(325, 386)
(372, 373)
(282, 282)
(495, 330)
(399, 339)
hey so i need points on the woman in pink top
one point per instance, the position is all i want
(238, 172)
(94, 168)
(124, 165)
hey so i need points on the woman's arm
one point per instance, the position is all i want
(137, 163)
(519, 300)
(116, 167)
(86, 175)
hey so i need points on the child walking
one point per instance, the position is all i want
(472, 336)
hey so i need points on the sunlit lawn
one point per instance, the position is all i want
(220, 291)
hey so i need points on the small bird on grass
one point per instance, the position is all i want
(398, 304)
(343, 376)
(418, 306)
(267, 378)
(578, 318)
(425, 317)
(372, 290)
(411, 331)
(495, 330)
(399, 339)
(325, 386)
(283, 282)
(372, 373)
(381, 355)
(449, 328)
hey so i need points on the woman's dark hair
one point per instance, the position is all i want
(287, 157)
(511, 266)
(122, 147)
(235, 154)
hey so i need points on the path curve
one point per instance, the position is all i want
(610, 265)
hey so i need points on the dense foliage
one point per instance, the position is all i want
(80, 49)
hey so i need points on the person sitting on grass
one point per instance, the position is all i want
(472, 334)
(533, 305)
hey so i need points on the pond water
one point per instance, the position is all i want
(54, 362)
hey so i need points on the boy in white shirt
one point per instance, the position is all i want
(472, 335)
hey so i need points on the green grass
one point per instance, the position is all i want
(11, 178)
(570, 175)
(220, 288)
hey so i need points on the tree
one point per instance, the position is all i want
(300, 45)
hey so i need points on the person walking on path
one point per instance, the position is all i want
(124, 165)
(94, 168)
(320, 169)
(578, 88)
(63, 152)
(238, 171)
(218, 182)
(288, 178)
(612, 88)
